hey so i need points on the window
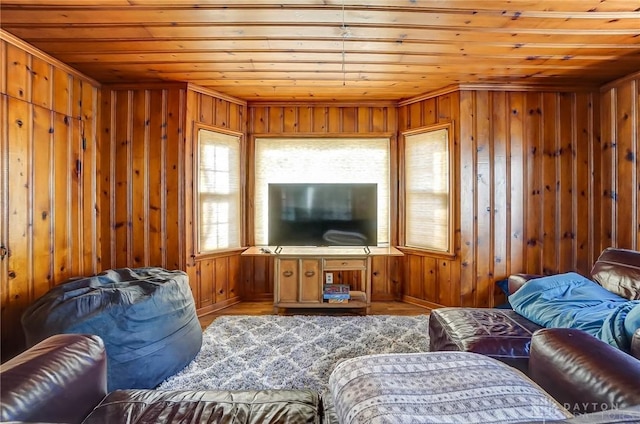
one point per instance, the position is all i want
(324, 160)
(427, 183)
(218, 189)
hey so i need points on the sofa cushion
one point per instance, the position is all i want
(618, 270)
(499, 333)
(210, 406)
(436, 387)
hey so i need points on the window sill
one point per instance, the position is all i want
(424, 252)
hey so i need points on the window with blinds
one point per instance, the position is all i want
(218, 191)
(324, 160)
(427, 183)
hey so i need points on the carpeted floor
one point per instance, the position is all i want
(272, 351)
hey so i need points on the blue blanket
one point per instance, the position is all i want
(573, 301)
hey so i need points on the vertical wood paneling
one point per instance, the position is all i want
(47, 224)
(518, 171)
(620, 177)
(371, 120)
(550, 183)
(41, 210)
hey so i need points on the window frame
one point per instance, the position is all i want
(199, 252)
(449, 252)
(390, 138)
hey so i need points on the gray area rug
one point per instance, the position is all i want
(292, 352)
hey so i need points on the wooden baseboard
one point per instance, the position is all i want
(421, 302)
(217, 306)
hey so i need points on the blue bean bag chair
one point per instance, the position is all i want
(146, 317)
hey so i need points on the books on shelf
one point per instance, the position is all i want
(336, 291)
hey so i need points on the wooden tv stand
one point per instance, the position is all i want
(300, 273)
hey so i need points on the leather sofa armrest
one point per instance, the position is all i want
(582, 372)
(61, 379)
(518, 280)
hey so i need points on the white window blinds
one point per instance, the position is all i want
(427, 190)
(326, 160)
(218, 191)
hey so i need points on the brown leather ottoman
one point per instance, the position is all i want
(499, 333)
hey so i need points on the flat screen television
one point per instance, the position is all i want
(323, 214)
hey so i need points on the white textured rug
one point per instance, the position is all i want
(291, 352)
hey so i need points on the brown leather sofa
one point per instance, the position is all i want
(505, 335)
(63, 380)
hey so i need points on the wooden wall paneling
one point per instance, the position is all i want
(595, 169)
(583, 226)
(380, 279)
(501, 184)
(484, 198)
(6, 312)
(174, 173)
(608, 170)
(206, 109)
(305, 119)
(334, 117)
(106, 145)
(90, 165)
(378, 120)
(221, 113)
(41, 212)
(62, 91)
(549, 197)
(46, 223)
(156, 249)
(320, 120)
(566, 183)
(349, 120)
(290, 119)
(18, 288)
(276, 119)
(429, 279)
(122, 175)
(518, 193)
(619, 174)
(443, 283)
(468, 199)
(626, 194)
(533, 135)
(62, 196)
(206, 283)
(221, 279)
(233, 277)
(18, 83)
(42, 83)
(139, 167)
(413, 273)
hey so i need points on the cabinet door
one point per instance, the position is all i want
(310, 282)
(287, 280)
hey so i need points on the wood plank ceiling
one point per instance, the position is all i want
(336, 49)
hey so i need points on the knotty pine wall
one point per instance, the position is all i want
(620, 151)
(147, 184)
(527, 177)
(322, 120)
(48, 179)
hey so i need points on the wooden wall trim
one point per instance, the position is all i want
(616, 83)
(216, 94)
(144, 85)
(337, 103)
(502, 86)
(10, 38)
(430, 95)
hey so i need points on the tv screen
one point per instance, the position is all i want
(323, 214)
